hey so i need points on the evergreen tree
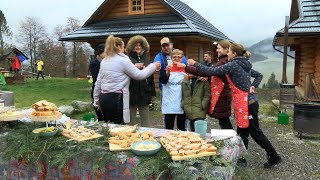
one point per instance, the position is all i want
(4, 31)
(272, 82)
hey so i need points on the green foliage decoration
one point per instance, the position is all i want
(22, 144)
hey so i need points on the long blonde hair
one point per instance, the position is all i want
(111, 47)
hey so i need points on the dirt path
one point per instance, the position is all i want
(301, 158)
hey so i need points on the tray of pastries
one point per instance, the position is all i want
(11, 115)
(122, 130)
(44, 111)
(123, 141)
(186, 145)
(80, 134)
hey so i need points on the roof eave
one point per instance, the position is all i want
(88, 38)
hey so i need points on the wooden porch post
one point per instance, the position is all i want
(285, 52)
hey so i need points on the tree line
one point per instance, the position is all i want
(61, 59)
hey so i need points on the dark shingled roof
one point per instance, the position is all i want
(308, 23)
(184, 21)
(9, 51)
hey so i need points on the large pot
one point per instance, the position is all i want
(306, 118)
(7, 96)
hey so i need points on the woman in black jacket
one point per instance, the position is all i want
(141, 92)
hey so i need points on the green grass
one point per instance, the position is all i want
(61, 91)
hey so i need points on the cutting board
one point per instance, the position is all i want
(185, 157)
(83, 138)
(11, 117)
(116, 147)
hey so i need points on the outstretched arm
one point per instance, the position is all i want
(193, 70)
(218, 71)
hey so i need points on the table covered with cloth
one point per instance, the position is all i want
(121, 166)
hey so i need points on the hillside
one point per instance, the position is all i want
(274, 65)
(263, 50)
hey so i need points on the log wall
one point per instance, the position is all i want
(121, 9)
(307, 62)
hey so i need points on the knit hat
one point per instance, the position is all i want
(100, 49)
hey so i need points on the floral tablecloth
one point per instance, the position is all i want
(121, 168)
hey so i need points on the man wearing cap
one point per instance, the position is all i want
(164, 56)
(94, 70)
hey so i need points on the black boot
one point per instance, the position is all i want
(272, 160)
(242, 162)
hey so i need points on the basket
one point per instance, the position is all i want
(87, 117)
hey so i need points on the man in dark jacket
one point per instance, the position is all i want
(94, 70)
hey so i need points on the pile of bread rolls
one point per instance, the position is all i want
(44, 108)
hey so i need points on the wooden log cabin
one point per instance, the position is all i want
(153, 19)
(304, 40)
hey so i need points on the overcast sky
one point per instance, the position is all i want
(245, 21)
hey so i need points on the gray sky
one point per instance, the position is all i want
(245, 21)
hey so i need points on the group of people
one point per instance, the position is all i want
(189, 90)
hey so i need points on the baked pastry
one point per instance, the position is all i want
(186, 144)
(44, 108)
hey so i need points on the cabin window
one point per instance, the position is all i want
(136, 6)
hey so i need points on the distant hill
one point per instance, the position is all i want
(264, 50)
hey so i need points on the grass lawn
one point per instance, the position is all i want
(61, 91)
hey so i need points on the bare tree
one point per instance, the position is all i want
(31, 33)
(4, 31)
(59, 31)
(53, 60)
(72, 25)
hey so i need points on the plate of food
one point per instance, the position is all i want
(46, 131)
(122, 129)
(44, 111)
(221, 134)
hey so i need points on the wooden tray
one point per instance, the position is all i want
(185, 157)
(83, 138)
(116, 147)
(45, 118)
(12, 117)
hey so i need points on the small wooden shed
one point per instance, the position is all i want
(304, 40)
(10, 65)
(153, 19)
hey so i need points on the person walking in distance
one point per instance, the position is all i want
(40, 67)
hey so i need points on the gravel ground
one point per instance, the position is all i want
(300, 158)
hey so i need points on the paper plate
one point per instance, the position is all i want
(221, 134)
